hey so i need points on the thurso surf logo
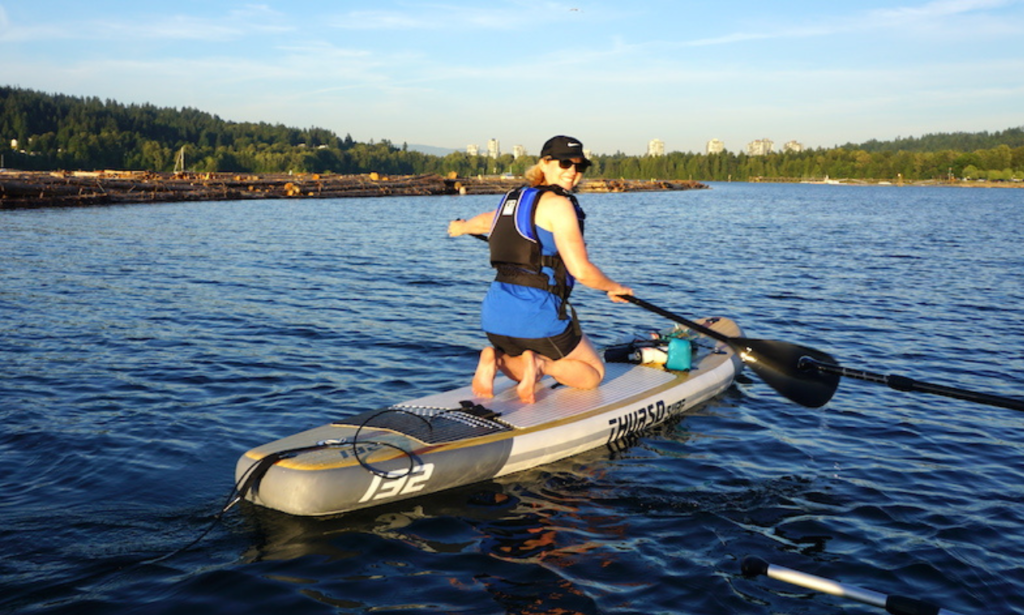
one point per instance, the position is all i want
(641, 418)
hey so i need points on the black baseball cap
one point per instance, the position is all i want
(562, 148)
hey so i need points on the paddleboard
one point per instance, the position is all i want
(454, 438)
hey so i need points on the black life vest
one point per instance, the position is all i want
(516, 250)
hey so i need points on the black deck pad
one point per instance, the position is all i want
(430, 425)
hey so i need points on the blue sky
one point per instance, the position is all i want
(614, 74)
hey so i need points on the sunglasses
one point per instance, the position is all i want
(581, 167)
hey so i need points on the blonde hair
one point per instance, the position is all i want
(535, 174)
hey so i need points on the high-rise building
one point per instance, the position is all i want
(793, 146)
(716, 146)
(518, 151)
(473, 150)
(760, 147)
(493, 148)
(655, 147)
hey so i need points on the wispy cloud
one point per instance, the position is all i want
(743, 37)
(877, 19)
(938, 9)
(14, 32)
(176, 27)
(456, 18)
(235, 25)
(377, 20)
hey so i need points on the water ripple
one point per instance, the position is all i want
(146, 347)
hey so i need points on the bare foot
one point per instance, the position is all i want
(483, 379)
(531, 369)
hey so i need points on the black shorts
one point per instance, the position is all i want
(556, 347)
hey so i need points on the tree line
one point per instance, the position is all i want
(40, 131)
(961, 141)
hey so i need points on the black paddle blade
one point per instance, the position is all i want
(778, 364)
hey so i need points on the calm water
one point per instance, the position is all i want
(144, 348)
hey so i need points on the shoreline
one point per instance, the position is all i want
(32, 189)
(898, 183)
(29, 189)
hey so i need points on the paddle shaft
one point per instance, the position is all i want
(897, 605)
(683, 321)
(902, 383)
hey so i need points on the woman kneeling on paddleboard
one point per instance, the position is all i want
(536, 239)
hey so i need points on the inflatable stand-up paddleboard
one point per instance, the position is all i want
(454, 438)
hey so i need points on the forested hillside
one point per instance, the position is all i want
(41, 131)
(958, 141)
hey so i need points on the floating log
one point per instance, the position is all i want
(45, 189)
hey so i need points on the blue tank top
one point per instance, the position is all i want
(522, 311)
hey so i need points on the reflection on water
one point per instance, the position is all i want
(531, 541)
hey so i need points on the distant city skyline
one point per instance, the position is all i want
(441, 75)
(655, 147)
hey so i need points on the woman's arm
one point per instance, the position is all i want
(478, 224)
(557, 214)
